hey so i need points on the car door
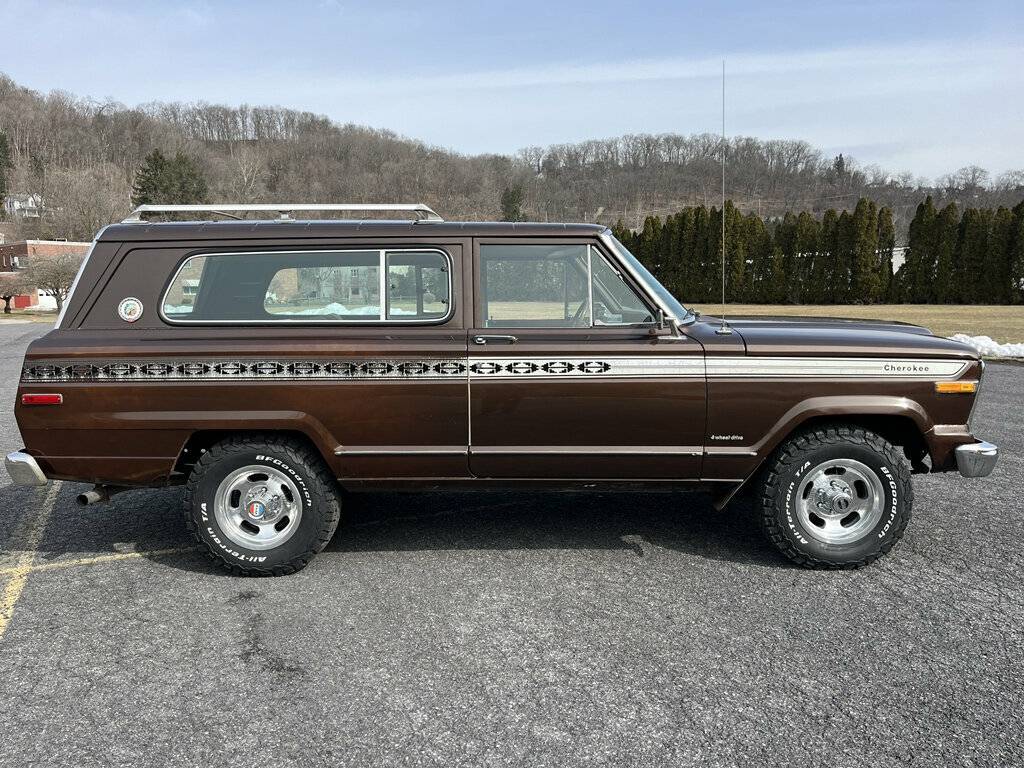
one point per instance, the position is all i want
(569, 375)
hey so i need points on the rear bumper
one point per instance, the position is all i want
(976, 459)
(23, 469)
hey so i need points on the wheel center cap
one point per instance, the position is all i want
(835, 500)
(262, 506)
(256, 510)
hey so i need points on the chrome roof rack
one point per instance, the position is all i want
(283, 210)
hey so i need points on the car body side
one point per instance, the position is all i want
(724, 405)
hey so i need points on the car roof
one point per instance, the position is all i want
(240, 230)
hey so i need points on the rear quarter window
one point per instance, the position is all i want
(340, 286)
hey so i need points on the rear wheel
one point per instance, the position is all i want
(836, 497)
(262, 507)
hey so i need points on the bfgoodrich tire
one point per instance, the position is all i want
(262, 507)
(836, 497)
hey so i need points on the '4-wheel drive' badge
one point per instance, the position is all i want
(130, 309)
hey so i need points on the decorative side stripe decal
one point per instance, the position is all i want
(522, 367)
(828, 367)
(245, 370)
(602, 366)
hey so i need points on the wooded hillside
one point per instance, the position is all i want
(82, 157)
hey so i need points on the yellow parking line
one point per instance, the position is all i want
(101, 559)
(28, 543)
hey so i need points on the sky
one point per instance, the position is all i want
(924, 87)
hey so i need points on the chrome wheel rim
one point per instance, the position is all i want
(257, 507)
(840, 501)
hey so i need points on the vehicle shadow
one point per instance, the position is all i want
(151, 521)
(517, 520)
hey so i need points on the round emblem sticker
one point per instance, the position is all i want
(130, 309)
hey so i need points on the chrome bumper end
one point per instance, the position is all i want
(24, 470)
(976, 459)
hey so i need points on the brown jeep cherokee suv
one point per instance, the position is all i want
(267, 365)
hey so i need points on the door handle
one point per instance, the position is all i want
(495, 339)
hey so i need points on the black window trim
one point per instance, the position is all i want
(381, 320)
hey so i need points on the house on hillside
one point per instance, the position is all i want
(16, 256)
(23, 206)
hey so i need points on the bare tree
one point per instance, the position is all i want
(83, 201)
(13, 284)
(53, 275)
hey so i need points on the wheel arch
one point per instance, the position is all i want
(901, 421)
(202, 440)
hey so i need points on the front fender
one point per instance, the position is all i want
(857, 405)
(738, 464)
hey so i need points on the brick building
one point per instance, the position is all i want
(15, 256)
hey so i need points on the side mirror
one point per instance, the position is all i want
(659, 319)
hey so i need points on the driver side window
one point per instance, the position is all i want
(542, 286)
(554, 286)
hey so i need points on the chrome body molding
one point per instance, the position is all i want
(532, 450)
(834, 367)
(23, 469)
(595, 450)
(484, 368)
(712, 450)
(401, 450)
(976, 459)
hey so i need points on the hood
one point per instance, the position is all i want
(798, 336)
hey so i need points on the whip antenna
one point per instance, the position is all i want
(724, 329)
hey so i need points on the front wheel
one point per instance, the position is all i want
(836, 497)
(262, 507)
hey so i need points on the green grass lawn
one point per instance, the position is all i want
(41, 316)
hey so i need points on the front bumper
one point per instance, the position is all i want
(23, 469)
(976, 459)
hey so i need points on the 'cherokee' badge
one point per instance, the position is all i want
(130, 309)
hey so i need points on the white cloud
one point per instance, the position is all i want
(904, 65)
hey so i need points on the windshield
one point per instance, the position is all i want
(666, 299)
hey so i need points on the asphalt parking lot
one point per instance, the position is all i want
(529, 629)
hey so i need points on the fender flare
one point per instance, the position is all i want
(818, 407)
(257, 421)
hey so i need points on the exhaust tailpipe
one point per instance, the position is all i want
(95, 496)
(98, 495)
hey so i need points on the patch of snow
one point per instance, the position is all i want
(988, 347)
(335, 308)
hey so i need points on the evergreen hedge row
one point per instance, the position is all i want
(976, 257)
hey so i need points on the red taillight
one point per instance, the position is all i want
(47, 399)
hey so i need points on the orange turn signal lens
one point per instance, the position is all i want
(956, 387)
(42, 399)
